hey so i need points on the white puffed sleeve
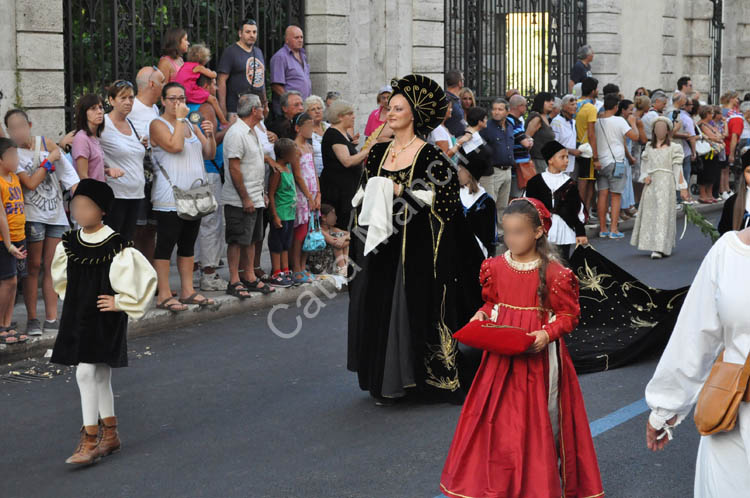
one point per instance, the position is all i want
(645, 163)
(692, 349)
(134, 281)
(59, 270)
(677, 158)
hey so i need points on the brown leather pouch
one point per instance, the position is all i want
(720, 397)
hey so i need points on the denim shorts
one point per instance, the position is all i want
(37, 232)
(606, 180)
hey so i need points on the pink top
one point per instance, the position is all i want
(373, 122)
(188, 78)
(175, 63)
(87, 146)
(309, 173)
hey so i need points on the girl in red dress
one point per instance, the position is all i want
(523, 430)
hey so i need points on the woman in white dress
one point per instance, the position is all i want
(661, 173)
(714, 318)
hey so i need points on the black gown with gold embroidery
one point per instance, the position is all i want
(411, 293)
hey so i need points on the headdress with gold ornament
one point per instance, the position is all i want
(426, 98)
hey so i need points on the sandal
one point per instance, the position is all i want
(258, 286)
(8, 335)
(173, 307)
(261, 275)
(238, 290)
(200, 302)
(310, 276)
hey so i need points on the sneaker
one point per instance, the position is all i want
(51, 326)
(213, 282)
(280, 280)
(656, 255)
(289, 280)
(616, 235)
(604, 235)
(33, 327)
(299, 278)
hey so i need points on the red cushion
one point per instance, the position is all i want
(501, 339)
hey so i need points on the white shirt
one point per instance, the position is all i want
(317, 140)
(559, 233)
(439, 134)
(240, 142)
(141, 116)
(610, 134)
(745, 129)
(713, 318)
(565, 133)
(125, 152)
(648, 122)
(262, 133)
(44, 204)
(183, 170)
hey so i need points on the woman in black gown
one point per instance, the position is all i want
(413, 287)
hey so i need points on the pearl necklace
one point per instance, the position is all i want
(395, 154)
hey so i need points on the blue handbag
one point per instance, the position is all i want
(314, 240)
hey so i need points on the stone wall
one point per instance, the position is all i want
(357, 46)
(652, 43)
(32, 62)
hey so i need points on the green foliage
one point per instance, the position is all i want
(706, 227)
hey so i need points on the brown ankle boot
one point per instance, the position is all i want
(110, 440)
(87, 451)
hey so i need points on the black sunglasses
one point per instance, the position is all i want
(248, 21)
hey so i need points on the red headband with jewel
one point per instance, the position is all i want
(544, 216)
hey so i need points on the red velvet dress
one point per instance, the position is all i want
(505, 445)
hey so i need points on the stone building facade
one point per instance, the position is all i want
(32, 62)
(653, 43)
(357, 46)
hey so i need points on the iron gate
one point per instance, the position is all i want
(714, 34)
(107, 40)
(525, 44)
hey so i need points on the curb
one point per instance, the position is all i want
(592, 231)
(156, 320)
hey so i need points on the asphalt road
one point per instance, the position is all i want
(229, 409)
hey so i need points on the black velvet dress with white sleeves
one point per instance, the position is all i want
(567, 203)
(416, 288)
(87, 335)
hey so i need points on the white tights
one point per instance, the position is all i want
(95, 384)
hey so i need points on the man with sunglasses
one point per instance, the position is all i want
(241, 69)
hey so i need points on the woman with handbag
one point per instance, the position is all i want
(661, 172)
(713, 320)
(308, 197)
(709, 175)
(123, 148)
(178, 151)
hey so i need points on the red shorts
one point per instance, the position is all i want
(300, 232)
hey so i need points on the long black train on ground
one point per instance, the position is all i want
(622, 319)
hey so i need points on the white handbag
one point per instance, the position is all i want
(195, 203)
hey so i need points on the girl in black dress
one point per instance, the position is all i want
(107, 281)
